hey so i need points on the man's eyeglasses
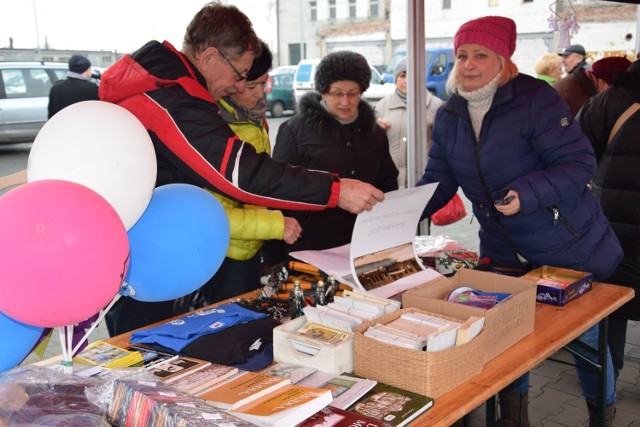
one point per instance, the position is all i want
(239, 77)
(340, 95)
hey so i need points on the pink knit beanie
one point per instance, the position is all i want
(494, 32)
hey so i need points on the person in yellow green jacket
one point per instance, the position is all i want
(250, 225)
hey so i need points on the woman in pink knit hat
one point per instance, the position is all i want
(510, 142)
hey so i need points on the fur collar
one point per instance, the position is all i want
(316, 116)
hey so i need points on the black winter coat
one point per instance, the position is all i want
(69, 91)
(617, 181)
(360, 150)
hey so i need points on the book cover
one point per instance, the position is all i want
(242, 389)
(196, 381)
(108, 355)
(285, 407)
(175, 369)
(287, 370)
(330, 416)
(323, 333)
(390, 404)
(345, 390)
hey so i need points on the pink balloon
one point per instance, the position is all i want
(64, 252)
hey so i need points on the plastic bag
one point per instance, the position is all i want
(452, 212)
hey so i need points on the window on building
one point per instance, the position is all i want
(352, 8)
(47, 59)
(332, 9)
(446, 4)
(313, 11)
(374, 11)
(493, 3)
(294, 53)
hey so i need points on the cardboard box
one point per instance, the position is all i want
(428, 373)
(505, 324)
(558, 286)
(331, 358)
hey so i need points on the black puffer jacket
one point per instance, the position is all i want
(617, 181)
(69, 91)
(360, 150)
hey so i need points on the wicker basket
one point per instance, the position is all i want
(429, 373)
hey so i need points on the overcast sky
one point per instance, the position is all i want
(122, 25)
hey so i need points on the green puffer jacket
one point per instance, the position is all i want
(250, 225)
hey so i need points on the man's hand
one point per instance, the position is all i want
(384, 124)
(292, 230)
(357, 196)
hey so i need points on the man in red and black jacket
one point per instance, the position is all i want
(173, 93)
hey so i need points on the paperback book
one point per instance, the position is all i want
(287, 370)
(206, 377)
(284, 407)
(242, 389)
(171, 371)
(107, 355)
(330, 416)
(344, 389)
(390, 404)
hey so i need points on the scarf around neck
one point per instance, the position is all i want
(254, 115)
(478, 102)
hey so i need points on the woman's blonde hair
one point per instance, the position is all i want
(509, 71)
(547, 63)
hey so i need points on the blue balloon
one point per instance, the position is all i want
(178, 243)
(16, 341)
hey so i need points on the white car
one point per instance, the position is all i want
(304, 75)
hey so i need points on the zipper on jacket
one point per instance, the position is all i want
(558, 218)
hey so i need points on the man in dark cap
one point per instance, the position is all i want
(574, 57)
(75, 88)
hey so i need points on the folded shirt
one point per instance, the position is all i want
(179, 333)
(234, 345)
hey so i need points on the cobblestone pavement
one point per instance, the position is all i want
(554, 397)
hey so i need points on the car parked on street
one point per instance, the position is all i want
(304, 81)
(279, 91)
(24, 97)
(438, 66)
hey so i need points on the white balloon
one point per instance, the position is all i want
(101, 146)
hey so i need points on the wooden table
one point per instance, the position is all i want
(555, 327)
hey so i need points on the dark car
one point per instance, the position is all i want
(279, 91)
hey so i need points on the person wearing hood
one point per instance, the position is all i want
(509, 141)
(335, 130)
(249, 225)
(392, 116)
(611, 122)
(76, 87)
(175, 94)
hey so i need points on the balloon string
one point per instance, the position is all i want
(70, 342)
(67, 363)
(96, 323)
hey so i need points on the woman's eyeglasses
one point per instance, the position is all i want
(340, 95)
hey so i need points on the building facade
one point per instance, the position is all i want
(376, 28)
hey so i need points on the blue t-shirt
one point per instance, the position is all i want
(181, 332)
